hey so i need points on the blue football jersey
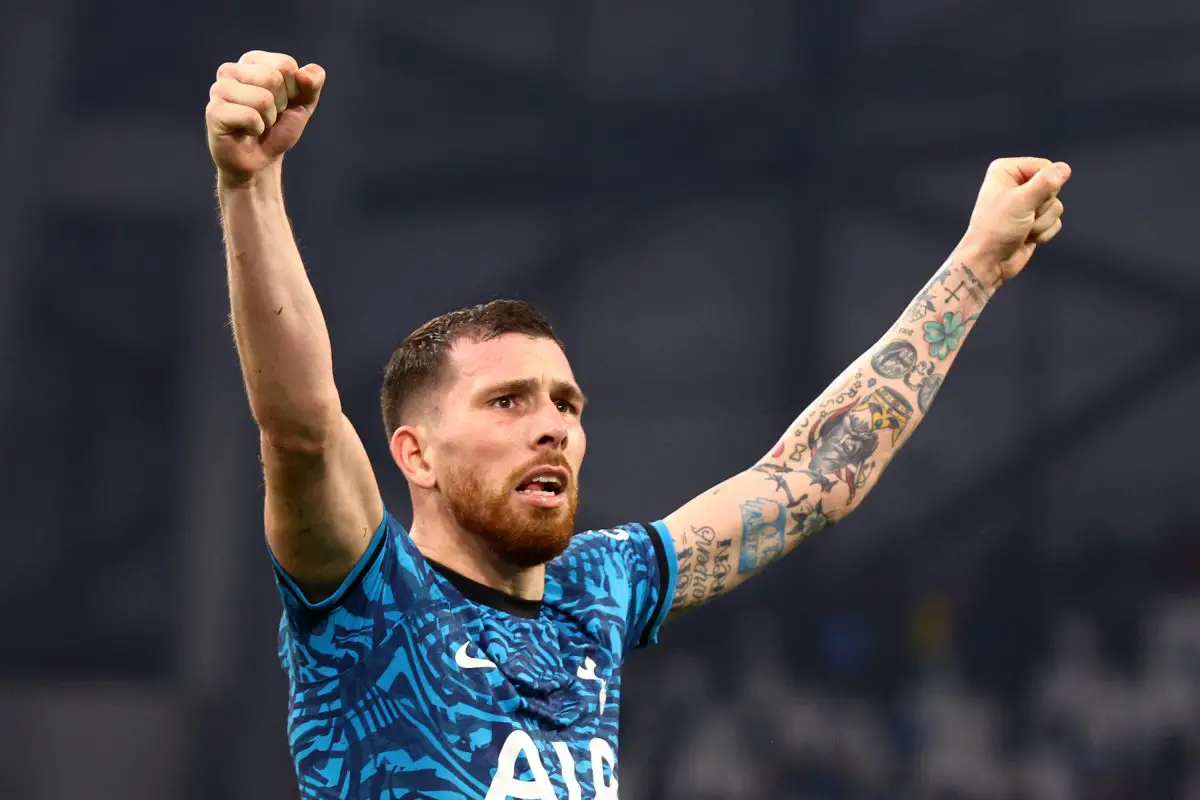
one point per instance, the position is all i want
(414, 681)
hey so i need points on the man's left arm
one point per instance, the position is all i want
(834, 453)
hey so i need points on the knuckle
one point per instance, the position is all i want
(254, 76)
(258, 74)
(243, 72)
(263, 100)
(230, 90)
(278, 61)
(227, 70)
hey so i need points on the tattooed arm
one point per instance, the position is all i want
(834, 453)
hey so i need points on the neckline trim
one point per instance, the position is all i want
(489, 596)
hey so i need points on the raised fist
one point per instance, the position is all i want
(257, 109)
(1017, 209)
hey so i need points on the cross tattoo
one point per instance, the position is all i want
(952, 294)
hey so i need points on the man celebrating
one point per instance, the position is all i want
(478, 654)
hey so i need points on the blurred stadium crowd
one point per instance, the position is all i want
(1037, 681)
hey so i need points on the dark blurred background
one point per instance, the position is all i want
(719, 205)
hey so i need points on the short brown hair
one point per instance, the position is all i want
(417, 364)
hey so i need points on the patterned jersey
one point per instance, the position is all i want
(413, 681)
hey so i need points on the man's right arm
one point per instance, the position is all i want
(322, 501)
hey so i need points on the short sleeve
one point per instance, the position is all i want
(319, 640)
(654, 591)
(630, 572)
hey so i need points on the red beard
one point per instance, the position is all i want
(519, 534)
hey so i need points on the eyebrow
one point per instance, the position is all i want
(529, 386)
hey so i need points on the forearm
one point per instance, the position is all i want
(281, 337)
(836, 450)
(833, 454)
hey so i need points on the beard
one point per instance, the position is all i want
(520, 534)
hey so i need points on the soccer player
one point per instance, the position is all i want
(478, 654)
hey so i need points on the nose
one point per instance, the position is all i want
(551, 432)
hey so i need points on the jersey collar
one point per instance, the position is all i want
(483, 594)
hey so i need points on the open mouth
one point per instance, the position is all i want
(543, 484)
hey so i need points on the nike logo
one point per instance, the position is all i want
(470, 662)
(620, 536)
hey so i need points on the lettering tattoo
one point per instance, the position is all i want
(704, 567)
(850, 390)
(686, 561)
(802, 429)
(764, 529)
(980, 291)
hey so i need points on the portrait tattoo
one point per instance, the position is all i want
(895, 359)
(928, 391)
(841, 445)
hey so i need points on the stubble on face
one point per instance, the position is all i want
(519, 533)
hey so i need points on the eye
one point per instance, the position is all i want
(566, 407)
(505, 402)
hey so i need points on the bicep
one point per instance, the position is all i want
(322, 507)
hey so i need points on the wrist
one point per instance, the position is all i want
(983, 260)
(268, 180)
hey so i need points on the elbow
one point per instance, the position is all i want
(299, 429)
